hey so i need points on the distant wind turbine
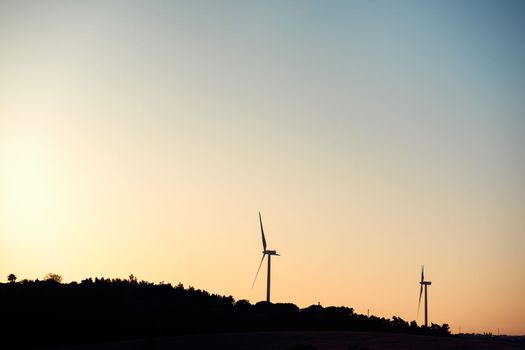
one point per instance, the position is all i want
(424, 284)
(265, 253)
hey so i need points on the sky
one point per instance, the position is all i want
(143, 137)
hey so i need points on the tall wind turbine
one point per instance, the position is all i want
(269, 253)
(424, 284)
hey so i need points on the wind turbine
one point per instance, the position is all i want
(269, 253)
(424, 284)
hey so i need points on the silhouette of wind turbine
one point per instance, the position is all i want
(268, 253)
(423, 283)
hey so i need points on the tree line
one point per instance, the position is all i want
(48, 312)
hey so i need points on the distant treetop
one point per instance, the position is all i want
(53, 277)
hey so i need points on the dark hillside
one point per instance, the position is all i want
(40, 313)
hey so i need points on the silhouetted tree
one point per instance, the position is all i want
(53, 277)
(440, 330)
(11, 278)
(243, 303)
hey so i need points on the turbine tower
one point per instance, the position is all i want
(269, 253)
(424, 284)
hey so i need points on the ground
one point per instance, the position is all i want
(316, 340)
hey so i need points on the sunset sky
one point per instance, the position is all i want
(143, 137)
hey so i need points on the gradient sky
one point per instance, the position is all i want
(375, 136)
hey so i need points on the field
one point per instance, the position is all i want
(311, 340)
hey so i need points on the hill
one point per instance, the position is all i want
(45, 313)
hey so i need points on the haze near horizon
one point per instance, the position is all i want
(144, 137)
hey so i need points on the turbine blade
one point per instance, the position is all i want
(422, 273)
(257, 274)
(262, 232)
(419, 303)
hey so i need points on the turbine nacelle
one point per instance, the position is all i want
(425, 283)
(270, 252)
